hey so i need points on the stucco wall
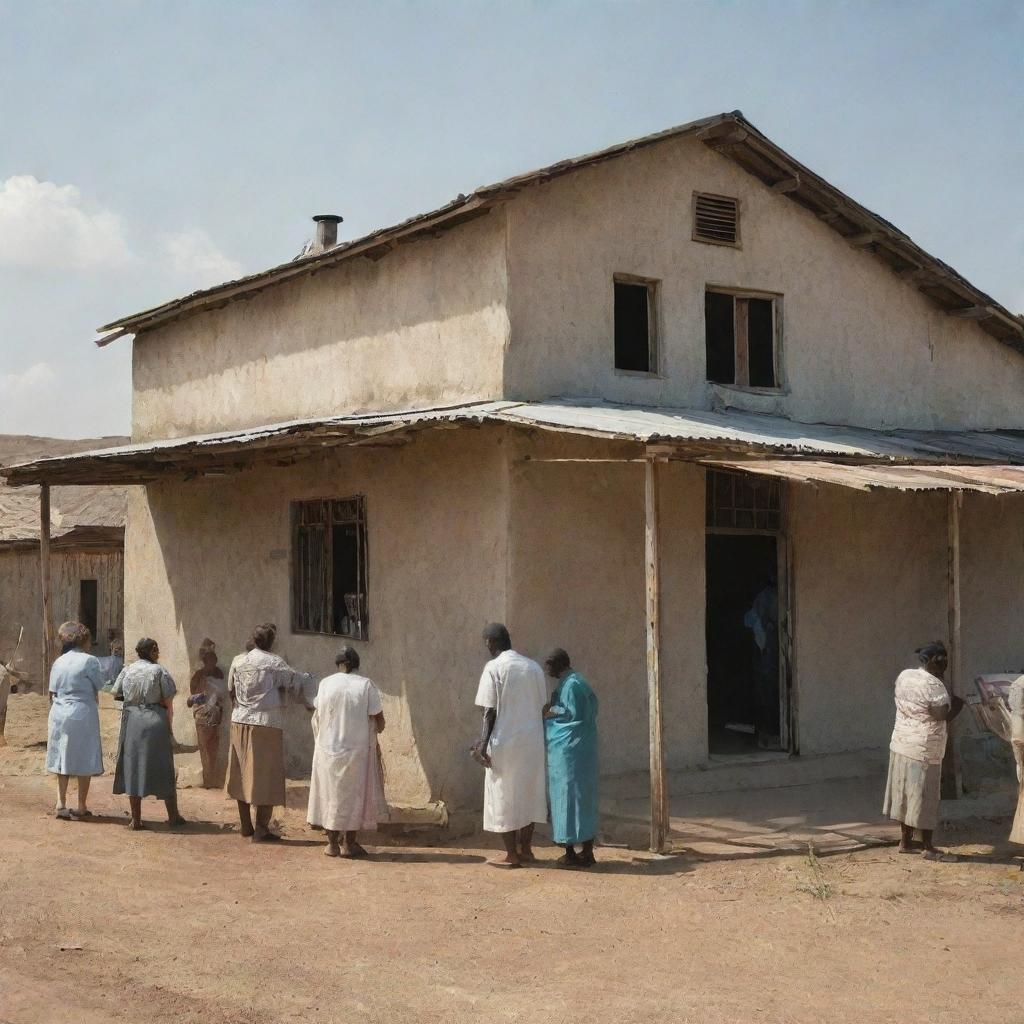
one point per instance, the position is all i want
(577, 581)
(859, 346)
(210, 558)
(21, 600)
(425, 325)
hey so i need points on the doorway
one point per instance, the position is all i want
(88, 607)
(745, 708)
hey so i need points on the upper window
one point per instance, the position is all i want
(736, 501)
(329, 567)
(716, 219)
(635, 320)
(741, 338)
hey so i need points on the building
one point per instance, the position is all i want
(87, 558)
(627, 404)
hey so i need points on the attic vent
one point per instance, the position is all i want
(716, 219)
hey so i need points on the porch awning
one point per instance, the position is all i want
(985, 479)
(781, 447)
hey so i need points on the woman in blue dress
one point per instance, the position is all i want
(571, 732)
(73, 745)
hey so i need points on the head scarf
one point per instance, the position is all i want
(929, 651)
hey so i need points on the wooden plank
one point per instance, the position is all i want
(659, 791)
(787, 184)
(952, 777)
(741, 317)
(971, 312)
(44, 576)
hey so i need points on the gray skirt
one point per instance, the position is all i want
(145, 763)
(912, 792)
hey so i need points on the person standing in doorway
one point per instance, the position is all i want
(208, 696)
(763, 622)
(511, 746)
(346, 789)
(258, 683)
(73, 746)
(912, 790)
(571, 730)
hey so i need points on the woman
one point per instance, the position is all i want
(912, 789)
(570, 723)
(346, 791)
(1016, 701)
(145, 764)
(73, 746)
(208, 697)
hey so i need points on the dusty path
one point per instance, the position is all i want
(201, 926)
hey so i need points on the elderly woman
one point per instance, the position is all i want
(923, 709)
(145, 763)
(1016, 700)
(346, 791)
(259, 683)
(208, 697)
(73, 746)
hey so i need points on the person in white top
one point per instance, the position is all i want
(259, 683)
(346, 790)
(512, 693)
(912, 789)
(1016, 702)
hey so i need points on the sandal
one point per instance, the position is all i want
(940, 857)
(78, 815)
(63, 813)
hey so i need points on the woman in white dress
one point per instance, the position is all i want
(73, 746)
(346, 790)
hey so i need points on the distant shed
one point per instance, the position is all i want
(87, 556)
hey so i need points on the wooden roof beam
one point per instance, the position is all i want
(971, 312)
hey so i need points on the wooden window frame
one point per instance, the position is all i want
(330, 517)
(653, 286)
(740, 311)
(738, 243)
(771, 513)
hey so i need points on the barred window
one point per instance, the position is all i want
(741, 501)
(329, 567)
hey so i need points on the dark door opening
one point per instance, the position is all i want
(744, 710)
(88, 607)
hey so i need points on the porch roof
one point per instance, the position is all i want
(729, 438)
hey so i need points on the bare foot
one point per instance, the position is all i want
(354, 851)
(138, 826)
(527, 856)
(266, 837)
(333, 850)
(568, 860)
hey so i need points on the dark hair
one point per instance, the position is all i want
(558, 659)
(264, 635)
(498, 633)
(929, 651)
(349, 657)
(145, 648)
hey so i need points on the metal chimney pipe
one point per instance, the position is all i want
(326, 231)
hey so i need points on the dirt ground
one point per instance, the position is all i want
(100, 924)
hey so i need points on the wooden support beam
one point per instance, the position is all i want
(971, 312)
(659, 791)
(44, 577)
(787, 184)
(724, 133)
(862, 239)
(952, 777)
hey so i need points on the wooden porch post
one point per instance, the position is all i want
(44, 575)
(952, 778)
(659, 794)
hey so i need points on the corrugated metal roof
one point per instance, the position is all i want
(687, 433)
(985, 479)
(730, 134)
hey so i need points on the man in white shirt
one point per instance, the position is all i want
(512, 693)
(912, 789)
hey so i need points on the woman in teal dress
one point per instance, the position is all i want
(571, 730)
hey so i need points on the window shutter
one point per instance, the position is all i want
(716, 219)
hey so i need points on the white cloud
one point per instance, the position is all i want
(44, 226)
(193, 255)
(24, 397)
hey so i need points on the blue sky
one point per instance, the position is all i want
(150, 148)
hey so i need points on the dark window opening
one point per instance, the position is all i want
(720, 337)
(741, 335)
(634, 336)
(88, 606)
(329, 567)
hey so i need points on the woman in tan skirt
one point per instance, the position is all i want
(258, 683)
(1016, 700)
